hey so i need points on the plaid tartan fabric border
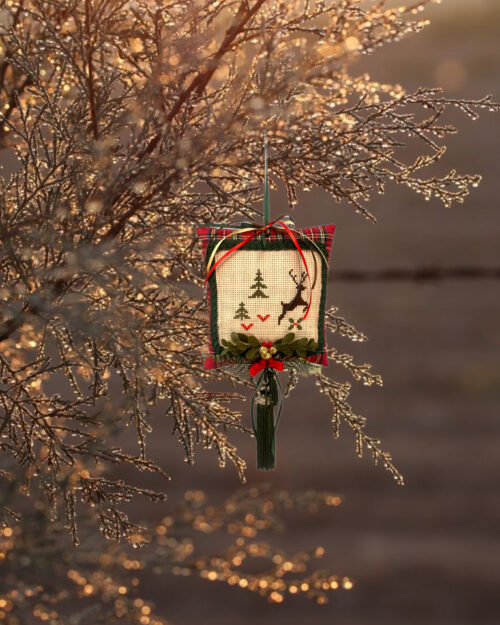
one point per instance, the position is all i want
(262, 288)
(320, 234)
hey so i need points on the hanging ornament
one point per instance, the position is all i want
(266, 289)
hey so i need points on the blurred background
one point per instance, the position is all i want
(427, 553)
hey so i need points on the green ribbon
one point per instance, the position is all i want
(267, 210)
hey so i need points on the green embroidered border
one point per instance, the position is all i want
(258, 244)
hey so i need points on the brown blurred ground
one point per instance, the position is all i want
(426, 554)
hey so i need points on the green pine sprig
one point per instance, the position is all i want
(247, 346)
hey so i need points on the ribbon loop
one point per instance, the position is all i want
(253, 231)
(261, 364)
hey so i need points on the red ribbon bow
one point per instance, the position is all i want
(261, 364)
(252, 235)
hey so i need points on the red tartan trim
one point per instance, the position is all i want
(319, 359)
(324, 234)
(210, 363)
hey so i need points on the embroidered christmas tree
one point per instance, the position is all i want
(258, 285)
(242, 312)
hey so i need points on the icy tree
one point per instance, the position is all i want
(42, 578)
(124, 123)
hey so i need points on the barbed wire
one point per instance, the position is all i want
(416, 274)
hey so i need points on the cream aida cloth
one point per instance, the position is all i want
(235, 277)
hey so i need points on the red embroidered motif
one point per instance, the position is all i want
(263, 318)
(247, 327)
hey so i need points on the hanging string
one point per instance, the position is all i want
(267, 210)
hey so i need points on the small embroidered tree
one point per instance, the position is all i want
(242, 312)
(258, 285)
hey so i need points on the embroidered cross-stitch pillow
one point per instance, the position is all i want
(267, 288)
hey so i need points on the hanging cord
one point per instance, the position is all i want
(267, 209)
(268, 395)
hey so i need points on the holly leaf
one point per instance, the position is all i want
(243, 337)
(288, 338)
(252, 354)
(234, 337)
(253, 340)
(301, 353)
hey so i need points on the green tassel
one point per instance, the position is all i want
(265, 436)
(266, 400)
(272, 387)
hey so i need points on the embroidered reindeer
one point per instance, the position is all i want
(298, 300)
